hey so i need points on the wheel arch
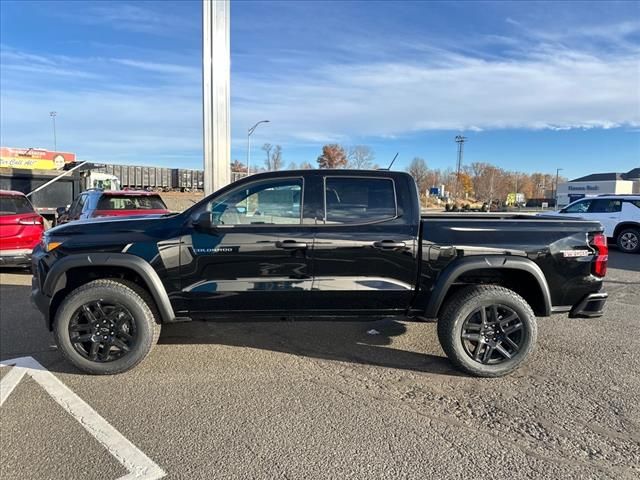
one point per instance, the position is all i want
(625, 224)
(69, 272)
(516, 273)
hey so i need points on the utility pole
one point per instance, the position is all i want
(249, 133)
(216, 73)
(55, 140)
(460, 141)
(555, 190)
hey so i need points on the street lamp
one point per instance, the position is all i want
(555, 193)
(55, 143)
(249, 133)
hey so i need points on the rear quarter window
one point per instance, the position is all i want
(131, 202)
(14, 205)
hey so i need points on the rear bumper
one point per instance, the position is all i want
(17, 257)
(590, 306)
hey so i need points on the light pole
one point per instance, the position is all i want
(55, 142)
(249, 133)
(555, 190)
(460, 141)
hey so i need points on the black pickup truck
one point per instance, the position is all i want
(319, 243)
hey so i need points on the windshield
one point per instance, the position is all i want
(14, 205)
(130, 202)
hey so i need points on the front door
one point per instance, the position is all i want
(256, 257)
(364, 249)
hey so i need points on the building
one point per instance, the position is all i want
(599, 184)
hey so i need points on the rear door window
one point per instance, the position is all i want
(131, 202)
(359, 200)
(14, 205)
(605, 206)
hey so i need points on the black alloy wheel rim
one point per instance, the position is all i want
(493, 334)
(629, 241)
(102, 331)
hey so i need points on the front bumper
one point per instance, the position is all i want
(590, 306)
(15, 258)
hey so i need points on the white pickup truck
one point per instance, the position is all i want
(618, 214)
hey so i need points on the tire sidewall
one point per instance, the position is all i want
(131, 300)
(484, 300)
(619, 240)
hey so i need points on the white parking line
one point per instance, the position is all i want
(135, 461)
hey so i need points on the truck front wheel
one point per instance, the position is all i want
(487, 330)
(107, 326)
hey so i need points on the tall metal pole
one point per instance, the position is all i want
(216, 80)
(55, 140)
(555, 190)
(249, 133)
(460, 141)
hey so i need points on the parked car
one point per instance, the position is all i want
(324, 243)
(618, 214)
(112, 203)
(21, 228)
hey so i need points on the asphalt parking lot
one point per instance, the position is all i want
(323, 400)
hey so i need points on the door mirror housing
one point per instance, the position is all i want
(61, 211)
(204, 222)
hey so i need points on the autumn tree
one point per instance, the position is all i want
(333, 156)
(360, 157)
(238, 166)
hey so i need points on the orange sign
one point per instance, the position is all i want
(34, 158)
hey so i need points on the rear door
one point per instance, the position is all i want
(256, 258)
(607, 212)
(364, 249)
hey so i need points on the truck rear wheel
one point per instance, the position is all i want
(107, 326)
(487, 330)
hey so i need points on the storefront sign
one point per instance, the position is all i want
(34, 158)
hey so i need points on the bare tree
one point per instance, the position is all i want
(238, 166)
(419, 171)
(333, 156)
(274, 157)
(292, 166)
(306, 166)
(360, 157)
(267, 147)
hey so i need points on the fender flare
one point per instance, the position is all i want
(57, 276)
(466, 264)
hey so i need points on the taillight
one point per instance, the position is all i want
(599, 242)
(30, 221)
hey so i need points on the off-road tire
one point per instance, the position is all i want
(461, 305)
(135, 298)
(622, 240)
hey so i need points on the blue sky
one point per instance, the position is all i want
(534, 86)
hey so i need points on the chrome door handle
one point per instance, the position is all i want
(291, 244)
(388, 244)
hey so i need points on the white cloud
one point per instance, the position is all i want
(561, 89)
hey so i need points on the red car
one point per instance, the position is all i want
(21, 228)
(112, 203)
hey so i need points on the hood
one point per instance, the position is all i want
(138, 223)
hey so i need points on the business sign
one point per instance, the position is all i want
(34, 158)
(583, 188)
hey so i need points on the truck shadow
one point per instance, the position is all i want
(22, 333)
(623, 261)
(345, 341)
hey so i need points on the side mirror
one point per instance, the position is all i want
(204, 222)
(61, 211)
